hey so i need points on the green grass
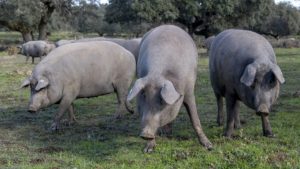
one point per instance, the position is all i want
(100, 141)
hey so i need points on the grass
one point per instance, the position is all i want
(100, 141)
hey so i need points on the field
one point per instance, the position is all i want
(100, 141)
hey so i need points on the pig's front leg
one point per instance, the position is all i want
(150, 146)
(64, 105)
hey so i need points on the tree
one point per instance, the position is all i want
(89, 17)
(14, 15)
(26, 16)
(200, 17)
(283, 20)
(137, 16)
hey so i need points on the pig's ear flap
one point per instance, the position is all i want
(42, 83)
(25, 83)
(137, 87)
(169, 93)
(277, 72)
(249, 75)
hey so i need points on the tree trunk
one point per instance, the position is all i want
(45, 19)
(191, 30)
(26, 36)
(42, 30)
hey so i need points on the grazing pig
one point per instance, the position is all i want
(81, 70)
(208, 41)
(243, 68)
(167, 71)
(132, 45)
(36, 49)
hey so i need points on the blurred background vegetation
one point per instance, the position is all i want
(132, 18)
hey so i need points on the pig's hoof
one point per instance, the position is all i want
(68, 123)
(208, 146)
(150, 146)
(118, 116)
(54, 127)
(269, 134)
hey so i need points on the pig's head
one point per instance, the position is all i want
(38, 98)
(261, 83)
(20, 49)
(156, 99)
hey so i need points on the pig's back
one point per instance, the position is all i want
(167, 50)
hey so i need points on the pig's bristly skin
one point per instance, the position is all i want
(167, 71)
(243, 68)
(81, 70)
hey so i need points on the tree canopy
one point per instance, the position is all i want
(134, 17)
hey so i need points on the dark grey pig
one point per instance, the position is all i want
(243, 68)
(81, 70)
(36, 49)
(167, 71)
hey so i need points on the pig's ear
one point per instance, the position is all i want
(25, 83)
(137, 87)
(169, 93)
(277, 72)
(42, 83)
(249, 75)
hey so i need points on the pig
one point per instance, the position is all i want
(167, 71)
(243, 68)
(131, 45)
(208, 41)
(36, 49)
(81, 70)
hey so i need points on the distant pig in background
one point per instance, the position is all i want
(36, 49)
(167, 71)
(243, 68)
(81, 70)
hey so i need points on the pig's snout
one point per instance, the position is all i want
(32, 109)
(147, 134)
(262, 109)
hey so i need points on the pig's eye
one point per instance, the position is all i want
(253, 84)
(272, 80)
(161, 101)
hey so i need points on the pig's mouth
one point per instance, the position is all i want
(32, 109)
(262, 110)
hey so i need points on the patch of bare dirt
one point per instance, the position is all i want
(37, 161)
(296, 94)
(49, 149)
(277, 157)
(12, 144)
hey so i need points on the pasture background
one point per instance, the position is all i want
(100, 141)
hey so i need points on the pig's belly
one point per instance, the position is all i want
(94, 90)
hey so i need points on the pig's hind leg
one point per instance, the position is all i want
(123, 105)
(72, 118)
